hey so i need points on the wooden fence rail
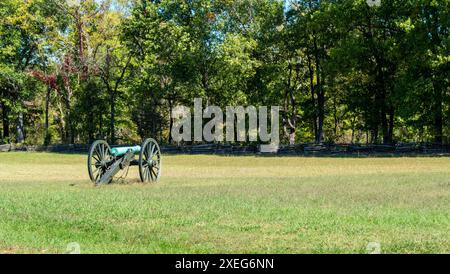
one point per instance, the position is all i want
(304, 149)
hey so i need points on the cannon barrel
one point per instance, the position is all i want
(120, 151)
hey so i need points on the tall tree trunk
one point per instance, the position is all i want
(91, 126)
(383, 108)
(384, 125)
(336, 120)
(438, 115)
(391, 125)
(47, 105)
(205, 81)
(171, 121)
(374, 135)
(5, 121)
(20, 133)
(81, 43)
(62, 122)
(353, 130)
(320, 93)
(313, 97)
(380, 97)
(72, 131)
(100, 124)
(290, 109)
(321, 116)
(112, 120)
(69, 127)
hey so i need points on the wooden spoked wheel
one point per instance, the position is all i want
(99, 159)
(150, 161)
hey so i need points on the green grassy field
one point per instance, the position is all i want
(213, 204)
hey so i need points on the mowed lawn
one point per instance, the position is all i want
(215, 204)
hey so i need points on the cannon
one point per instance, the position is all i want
(105, 162)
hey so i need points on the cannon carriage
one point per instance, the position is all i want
(105, 162)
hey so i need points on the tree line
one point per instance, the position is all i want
(342, 71)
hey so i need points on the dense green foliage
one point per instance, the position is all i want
(342, 71)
